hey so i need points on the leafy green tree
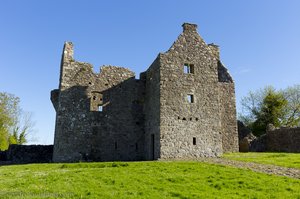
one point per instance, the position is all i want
(268, 106)
(252, 103)
(8, 114)
(272, 111)
(292, 95)
(14, 123)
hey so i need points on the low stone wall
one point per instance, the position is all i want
(259, 144)
(283, 140)
(3, 156)
(22, 154)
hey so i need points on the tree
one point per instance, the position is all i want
(272, 111)
(252, 103)
(292, 95)
(21, 128)
(15, 124)
(8, 113)
(268, 106)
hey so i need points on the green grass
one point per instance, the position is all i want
(141, 180)
(291, 160)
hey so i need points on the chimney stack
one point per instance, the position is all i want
(189, 27)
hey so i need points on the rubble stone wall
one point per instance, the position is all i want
(284, 140)
(167, 113)
(189, 127)
(22, 154)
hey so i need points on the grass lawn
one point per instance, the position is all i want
(141, 180)
(291, 160)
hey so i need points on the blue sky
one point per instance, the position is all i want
(259, 41)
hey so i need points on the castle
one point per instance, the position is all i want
(182, 106)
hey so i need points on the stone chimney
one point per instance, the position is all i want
(189, 27)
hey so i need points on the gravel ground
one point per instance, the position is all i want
(263, 168)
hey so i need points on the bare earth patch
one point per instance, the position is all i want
(264, 168)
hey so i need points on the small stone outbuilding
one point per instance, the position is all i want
(182, 106)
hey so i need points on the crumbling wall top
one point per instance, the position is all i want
(108, 69)
(68, 52)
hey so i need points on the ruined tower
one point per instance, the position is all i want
(183, 106)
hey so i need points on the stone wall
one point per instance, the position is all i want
(22, 154)
(152, 110)
(228, 117)
(283, 140)
(189, 127)
(183, 106)
(3, 156)
(99, 115)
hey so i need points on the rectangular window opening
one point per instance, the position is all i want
(192, 68)
(194, 141)
(190, 98)
(116, 145)
(136, 147)
(188, 68)
(100, 108)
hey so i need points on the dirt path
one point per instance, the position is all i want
(269, 169)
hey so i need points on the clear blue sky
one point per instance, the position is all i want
(259, 41)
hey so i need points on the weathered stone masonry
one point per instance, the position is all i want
(283, 139)
(183, 106)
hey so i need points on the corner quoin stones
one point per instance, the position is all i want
(182, 106)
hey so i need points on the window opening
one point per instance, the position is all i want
(136, 147)
(100, 108)
(188, 68)
(194, 141)
(192, 68)
(116, 145)
(190, 98)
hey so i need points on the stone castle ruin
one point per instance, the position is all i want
(182, 106)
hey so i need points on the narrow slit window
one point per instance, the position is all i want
(100, 108)
(188, 68)
(194, 141)
(116, 145)
(192, 68)
(190, 98)
(136, 147)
